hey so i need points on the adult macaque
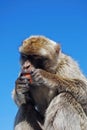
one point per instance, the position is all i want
(54, 96)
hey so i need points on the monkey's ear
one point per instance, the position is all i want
(57, 48)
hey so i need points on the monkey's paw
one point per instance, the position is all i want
(22, 85)
(38, 77)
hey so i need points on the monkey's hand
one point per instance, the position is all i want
(21, 92)
(41, 77)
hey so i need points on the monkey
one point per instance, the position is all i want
(56, 99)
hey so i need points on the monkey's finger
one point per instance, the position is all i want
(22, 81)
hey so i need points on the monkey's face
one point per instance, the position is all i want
(40, 52)
(33, 61)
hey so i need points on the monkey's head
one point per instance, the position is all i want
(41, 52)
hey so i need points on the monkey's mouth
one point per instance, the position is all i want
(27, 76)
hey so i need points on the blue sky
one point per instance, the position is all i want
(64, 21)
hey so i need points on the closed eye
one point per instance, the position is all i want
(36, 61)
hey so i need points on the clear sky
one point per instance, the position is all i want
(64, 21)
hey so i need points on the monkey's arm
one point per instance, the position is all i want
(27, 118)
(65, 113)
(53, 81)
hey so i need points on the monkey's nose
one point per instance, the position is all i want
(26, 65)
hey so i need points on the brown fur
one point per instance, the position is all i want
(63, 90)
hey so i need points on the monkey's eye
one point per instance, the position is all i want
(36, 61)
(39, 62)
(23, 58)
